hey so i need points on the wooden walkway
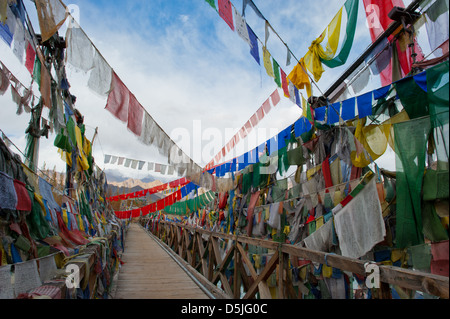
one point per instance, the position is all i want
(150, 273)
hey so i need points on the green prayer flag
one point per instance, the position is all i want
(212, 4)
(411, 139)
(276, 71)
(438, 94)
(413, 98)
(351, 7)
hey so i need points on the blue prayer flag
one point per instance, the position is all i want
(320, 113)
(334, 112)
(348, 109)
(382, 92)
(421, 80)
(364, 105)
(254, 51)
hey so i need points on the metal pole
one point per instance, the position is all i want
(412, 7)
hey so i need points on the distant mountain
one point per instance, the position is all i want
(132, 186)
(118, 177)
(133, 183)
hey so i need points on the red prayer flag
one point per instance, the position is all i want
(284, 84)
(377, 12)
(275, 98)
(254, 120)
(327, 172)
(118, 99)
(243, 133)
(135, 115)
(145, 210)
(23, 197)
(260, 113)
(160, 204)
(267, 107)
(225, 11)
(30, 58)
(248, 127)
(136, 213)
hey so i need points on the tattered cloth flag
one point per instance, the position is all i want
(135, 115)
(101, 76)
(118, 99)
(80, 51)
(51, 14)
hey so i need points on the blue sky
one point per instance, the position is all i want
(187, 68)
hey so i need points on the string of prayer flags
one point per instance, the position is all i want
(160, 204)
(122, 104)
(174, 185)
(264, 110)
(139, 165)
(228, 12)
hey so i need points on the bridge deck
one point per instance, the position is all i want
(150, 273)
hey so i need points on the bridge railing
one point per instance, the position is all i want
(201, 249)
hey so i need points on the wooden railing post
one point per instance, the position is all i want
(210, 258)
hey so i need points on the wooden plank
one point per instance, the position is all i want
(268, 270)
(150, 273)
(247, 261)
(226, 261)
(281, 266)
(201, 251)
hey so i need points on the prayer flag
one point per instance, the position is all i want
(300, 78)
(225, 11)
(254, 51)
(30, 58)
(135, 116)
(348, 109)
(284, 82)
(118, 99)
(275, 98)
(268, 62)
(276, 71)
(241, 27)
(212, 4)
(267, 107)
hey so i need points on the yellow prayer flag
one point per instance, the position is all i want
(268, 62)
(300, 78)
(316, 51)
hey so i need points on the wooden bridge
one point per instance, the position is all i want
(173, 261)
(151, 272)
